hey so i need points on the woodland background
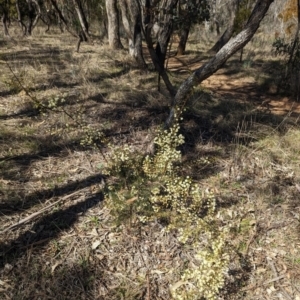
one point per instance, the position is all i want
(149, 149)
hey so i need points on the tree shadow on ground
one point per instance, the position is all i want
(45, 148)
(46, 229)
(77, 280)
(45, 56)
(6, 94)
(225, 122)
(26, 201)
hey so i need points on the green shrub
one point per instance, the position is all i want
(148, 188)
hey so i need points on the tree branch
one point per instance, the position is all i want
(216, 62)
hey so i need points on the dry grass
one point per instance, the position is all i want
(235, 147)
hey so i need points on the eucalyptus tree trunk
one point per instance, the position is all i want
(4, 19)
(4, 7)
(61, 18)
(20, 18)
(83, 33)
(158, 54)
(165, 30)
(132, 22)
(184, 34)
(292, 66)
(218, 60)
(113, 24)
(82, 18)
(32, 15)
(226, 36)
(38, 13)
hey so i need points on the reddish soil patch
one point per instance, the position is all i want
(243, 88)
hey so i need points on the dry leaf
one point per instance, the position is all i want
(55, 266)
(271, 289)
(176, 285)
(94, 232)
(95, 245)
(100, 256)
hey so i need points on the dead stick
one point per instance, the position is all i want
(36, 214)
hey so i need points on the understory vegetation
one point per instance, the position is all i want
(100, 200)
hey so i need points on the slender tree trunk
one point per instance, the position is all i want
(20, 18)
(184, 34)
(165, 31)
(83, 34)
(61, 18)
(226, 36)
(31, 16)
(289, 64)
(4, 23)
(158, 55)
(113, 24)
(132, 19)
(216, 62)
(82, 18)
(80, 34)
(38, 13)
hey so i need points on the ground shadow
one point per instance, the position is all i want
(26, 201)
(46, 229)
(77, 280)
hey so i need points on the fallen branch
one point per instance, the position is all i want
(36, 214)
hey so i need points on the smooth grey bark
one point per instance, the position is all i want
(216, 62)
(132, 22)
(113, 24)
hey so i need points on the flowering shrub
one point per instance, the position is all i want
(148, 188)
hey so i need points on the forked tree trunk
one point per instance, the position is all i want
(82, 18)
(20, 18)
(165, 31)
(158, 55)
(83, 34)
(31, 16)
(4, 23)
(38, 13)
(113, 24)
(34, 14)
(5, 16)
(132, 22)
(221, 57)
